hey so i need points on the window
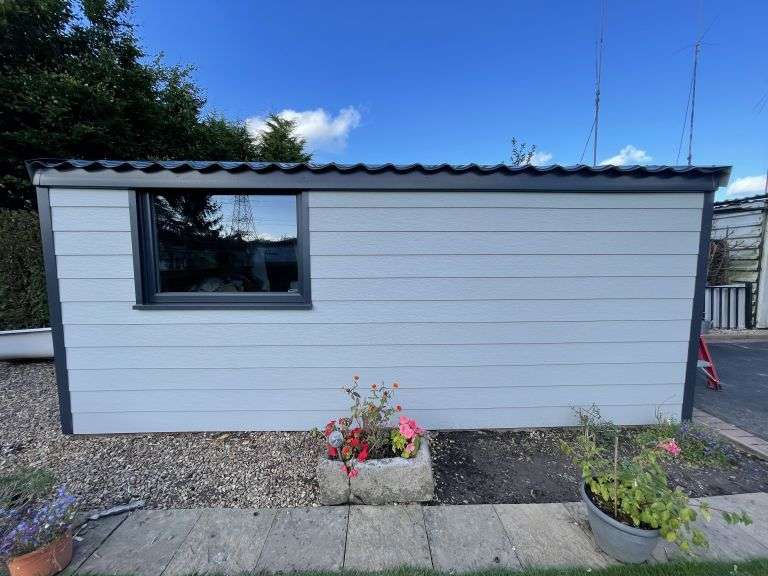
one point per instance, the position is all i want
(202, 248)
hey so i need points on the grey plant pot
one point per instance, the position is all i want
(624, 543)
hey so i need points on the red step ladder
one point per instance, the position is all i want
(707, 365)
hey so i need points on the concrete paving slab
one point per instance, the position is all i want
(382, 537)
(468, 537)
(144, 544)
(223, 542)
(726, 542)
(305, 539)
(89, 537)
(533, 528)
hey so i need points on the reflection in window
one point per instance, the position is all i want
(226, 242)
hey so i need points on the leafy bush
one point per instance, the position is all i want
(368, 433)
(699, 447)
(635, 489)
(23, 302)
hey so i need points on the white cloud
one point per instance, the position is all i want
(746, 186)
(541, 158)
(628, 155)
(322, 131)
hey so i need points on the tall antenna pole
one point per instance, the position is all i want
(696, 50)
(598, 78)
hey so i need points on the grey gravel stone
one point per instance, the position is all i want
(201, 470)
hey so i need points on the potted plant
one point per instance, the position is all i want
(35, 524)
(630, 504)
(371, 461)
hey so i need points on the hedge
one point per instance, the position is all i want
(23, 302)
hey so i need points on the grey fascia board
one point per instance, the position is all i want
(383, 181)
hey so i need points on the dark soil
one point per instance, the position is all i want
(516, 467)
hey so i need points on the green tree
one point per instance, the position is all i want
(279, 143)
(74, 83)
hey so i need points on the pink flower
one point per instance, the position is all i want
(353, 473)
(670, 446)
(410, 448)
(409, 428)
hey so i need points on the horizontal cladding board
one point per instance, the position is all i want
(373, 243)
(336, 402)
(426, 266)
(501, 266)
(116, 422)
(503, 219)
(87, 197)
(79, 336)
(122, 289)
(475, 199)
(90, 219)
(92, 243)
(375, 312)
(375, 355)
(95, 266)
(408, 377)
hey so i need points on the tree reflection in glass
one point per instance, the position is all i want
(226, 242)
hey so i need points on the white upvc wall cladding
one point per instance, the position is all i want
(499, 309)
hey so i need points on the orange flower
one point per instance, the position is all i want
(395, 385)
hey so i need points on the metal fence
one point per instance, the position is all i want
(729, 306)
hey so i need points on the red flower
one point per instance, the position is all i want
(373, 386)
(362, 456)
(332, 452)
(355, 442)
(356, 432)
(398, 408)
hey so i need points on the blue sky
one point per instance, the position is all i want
(454, 81)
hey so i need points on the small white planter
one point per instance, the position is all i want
(35, 343)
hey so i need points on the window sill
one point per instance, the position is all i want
(226, 306)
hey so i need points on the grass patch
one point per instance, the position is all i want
(750, 568)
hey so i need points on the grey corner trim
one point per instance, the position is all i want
(136, 243)
(697, 312)
(145, 265)
(54, 306)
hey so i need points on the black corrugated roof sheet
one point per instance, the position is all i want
(210, 166)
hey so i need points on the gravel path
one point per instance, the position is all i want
(238, 470)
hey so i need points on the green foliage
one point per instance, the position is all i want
(372, 413)
(400, 443)
(25, 485)
(635, 490)
(700, 448)
(278, 143)
(758, 567)
(23, 301)
(74, 83)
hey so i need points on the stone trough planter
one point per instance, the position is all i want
(382, 481)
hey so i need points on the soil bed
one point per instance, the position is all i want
(517, 467)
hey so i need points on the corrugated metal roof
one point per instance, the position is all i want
(740, 201)
(721, 172)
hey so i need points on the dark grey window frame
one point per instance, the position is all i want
(148, 297)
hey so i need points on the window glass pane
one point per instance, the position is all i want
(226, 242)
